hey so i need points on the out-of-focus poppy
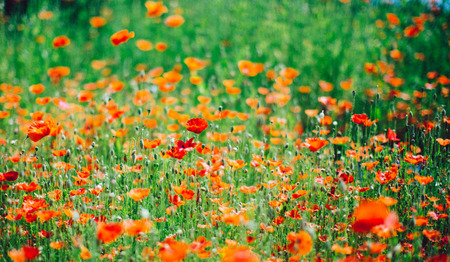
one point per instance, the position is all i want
(121, 37)
(108, 233)
(37, 89)
(174, 21)
(97, 21)
(368, 215)
(299, 243)
(135, 227)
(61, 41)
(238, 254)
(171, 250)
(155, 9)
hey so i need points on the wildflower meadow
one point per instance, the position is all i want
(224, 130)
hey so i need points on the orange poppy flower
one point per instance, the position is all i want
(57, 244)
(233, 218)
(160, 46)
(233, 90)
(135, 227)
(119, 133)
(85, 96)
(238, 254)
(155, 9)
(60, 41)
(289, 73)
(108, 233)
(138, 194)
(196, 80)
(43, 100)
(250, 69)
(97, 21)
(174, 21)
(56, 73)
(59, 152)
(196, 125)
(325, 86)
(315, 144)
(194, 64)
(424, 180)
(248, 189)
(370, 165)
(144, 45)
(171, 250)
(392, 19)
(443, 142)
(37, 89)
(151, 144)
(299, 243)
(415, 159)
(121, 37)
(4, 114)
(45, 15)
(37, 116)
(347, 84)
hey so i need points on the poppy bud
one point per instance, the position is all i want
(354, 93)
(220, 108)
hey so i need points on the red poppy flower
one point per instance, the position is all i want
(371, 214)
(39, 130)
(9, 176)
(176, 152)
(186, 146)
(392, 135)
(196, 125)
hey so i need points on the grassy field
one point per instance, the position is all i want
(223, 130)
